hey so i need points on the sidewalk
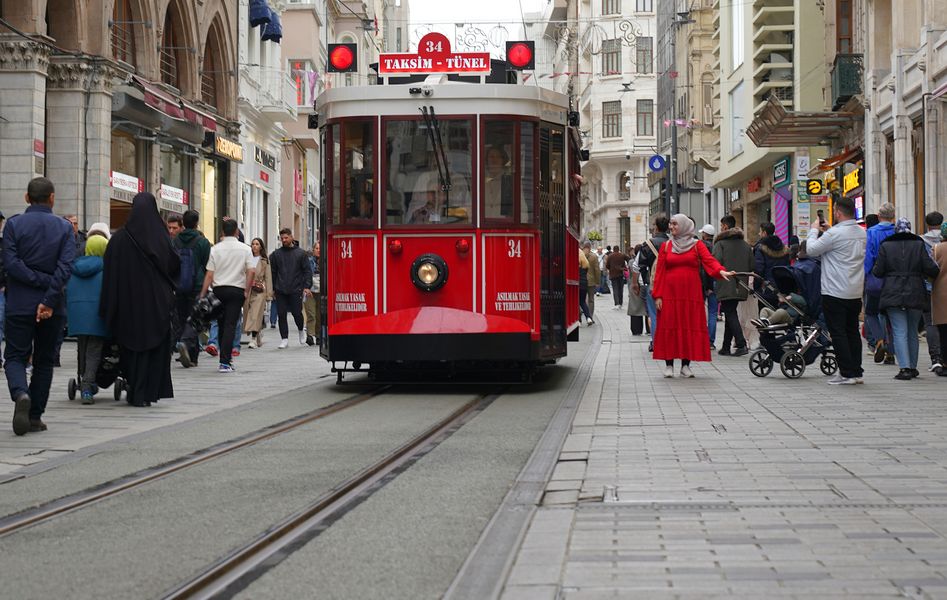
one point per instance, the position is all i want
(198, 391)
(729, 485)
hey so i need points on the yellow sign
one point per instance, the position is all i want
(852, 180)
(228, 148)
(814, 187)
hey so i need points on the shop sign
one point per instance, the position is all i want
(172, 194)
(228, 148)
(264, 158)
(852, 181)
(434, 56)
(781, 173)
(802, 193)
(39, 157)
(802, 166)
(264, 177)
(754, 185)
(126, 183)
(814, 187)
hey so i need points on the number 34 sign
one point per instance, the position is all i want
(435, 56)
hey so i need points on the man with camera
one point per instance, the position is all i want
(194, 251)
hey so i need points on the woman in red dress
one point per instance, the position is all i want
(678, 296)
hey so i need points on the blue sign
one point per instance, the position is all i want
(656, 163)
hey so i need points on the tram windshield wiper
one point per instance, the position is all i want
(437, 142)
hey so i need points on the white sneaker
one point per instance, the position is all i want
(284, 343)
(836, 378)
(686, 372)
(302, 337)
(934, 367)
(590, 323)
(843, 381)
(252, 344)
(669, 372)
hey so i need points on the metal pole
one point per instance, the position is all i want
(672, 168)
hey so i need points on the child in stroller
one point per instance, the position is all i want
(791, 334)
(107, 372)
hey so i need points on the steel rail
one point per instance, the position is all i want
(45, 512)
(246, 564)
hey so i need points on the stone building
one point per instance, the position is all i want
(109, 97)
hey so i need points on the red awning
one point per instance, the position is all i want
(160, 100)
(200, 117)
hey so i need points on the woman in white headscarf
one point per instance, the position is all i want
(678, 296)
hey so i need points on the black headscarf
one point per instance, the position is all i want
(141, 268)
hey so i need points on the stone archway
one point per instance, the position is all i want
(66, 24)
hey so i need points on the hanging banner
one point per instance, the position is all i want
(434, 56)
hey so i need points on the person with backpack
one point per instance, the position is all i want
(194, 251)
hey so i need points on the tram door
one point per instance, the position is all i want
(552, 231)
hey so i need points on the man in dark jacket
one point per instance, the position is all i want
(769, 252)
(644, 263)
(38, 251)
(292, 279)
(735, 255)
(707, 234)
(194, 251)
(616, 264)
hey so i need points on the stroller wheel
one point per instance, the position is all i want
(71, 388)
(829, 364)
(119, 387)
(793, 365)
(761, 364)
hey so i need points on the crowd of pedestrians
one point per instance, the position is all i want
(134, 297)
(875, 279)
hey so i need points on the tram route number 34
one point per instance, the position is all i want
(346, 249)
(516, 249)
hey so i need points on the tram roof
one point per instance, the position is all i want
(453, 98)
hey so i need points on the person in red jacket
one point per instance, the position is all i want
(678, 296)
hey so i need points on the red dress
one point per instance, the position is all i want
(682, 322)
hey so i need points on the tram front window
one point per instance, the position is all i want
(428, 180)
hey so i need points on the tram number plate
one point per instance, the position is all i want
(346, 247)
(515, 248)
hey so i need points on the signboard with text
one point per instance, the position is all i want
(781, 173)
(434, 56)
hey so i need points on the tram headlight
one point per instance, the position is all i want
(429, 272)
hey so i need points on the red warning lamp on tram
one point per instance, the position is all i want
(520, 56)
(342, 58)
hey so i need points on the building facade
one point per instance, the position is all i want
(111, 97)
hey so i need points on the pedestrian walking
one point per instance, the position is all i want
(637, 311)
(83, 298)
(193, 250)
(679, 299)
(230, 272)
(735, 254)
(902, 264)
(842, 248)
(876, 324)
(939, 297)
(584, 287)
(603, 282)
(594, 276)
(934, 221)
(616, 263)
(768, 253)
(3, 286)
(643, 265)
(261, 292)
(175, 225)
(707, 234)
(140, 272)
(38, 251)
(311, 302)
(291, 281)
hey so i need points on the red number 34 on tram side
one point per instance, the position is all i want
(449, 222)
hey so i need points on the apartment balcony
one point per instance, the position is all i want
(846, 78)
(771, 14)
(270, 91)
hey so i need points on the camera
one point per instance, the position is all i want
(427, 90)
(627, 154)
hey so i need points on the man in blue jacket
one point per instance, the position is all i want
(38, 250)
(875, 321)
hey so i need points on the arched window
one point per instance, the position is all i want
(212, 69)
(123, 36)
(170, 51)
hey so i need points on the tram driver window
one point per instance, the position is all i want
(498, 170)
(428, 177)
(358, 148)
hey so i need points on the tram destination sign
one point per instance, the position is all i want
(434, 56)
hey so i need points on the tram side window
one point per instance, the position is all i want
(359, 151)
(500, 139)
(418, 167)
(336, 170)
(527, 175)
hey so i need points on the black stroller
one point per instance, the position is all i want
(802, 342)
(108, 373)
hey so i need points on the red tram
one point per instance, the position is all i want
(449, 228)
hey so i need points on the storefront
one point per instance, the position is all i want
(213, 173)
(126, 176)
(756, 206)
(853, 187)
(257, 195)
(782, 198)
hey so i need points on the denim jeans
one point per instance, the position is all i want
(650, 308)
(215, 332)
(712, 306)
(26, 337)
(876, 325)
(273, 313)
(904, 323)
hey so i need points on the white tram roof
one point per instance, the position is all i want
(447, 98)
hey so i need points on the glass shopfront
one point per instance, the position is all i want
(175, 176)
(126, 177)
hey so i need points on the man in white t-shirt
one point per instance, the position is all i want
(230, 272)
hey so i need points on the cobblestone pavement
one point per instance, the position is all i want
(729, 485)
(198, 391)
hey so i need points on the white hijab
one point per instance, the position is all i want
(685, 239)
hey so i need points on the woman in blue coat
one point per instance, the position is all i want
(82, 307)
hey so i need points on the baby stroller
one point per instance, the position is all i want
(801, 342)
(107, 374)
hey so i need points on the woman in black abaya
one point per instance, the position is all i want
(141, 268)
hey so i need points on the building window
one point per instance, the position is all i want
(843, 27)
(611, 7)
(644, 5)
(645, 111)
(736, 135)
(611, 119)
(209, 80)
(398, 39)
(644, 52)
(736, 35)
(170, 49)
(301, 71)
(611, 57)
(123, 36)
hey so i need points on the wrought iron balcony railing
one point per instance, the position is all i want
(846, 78)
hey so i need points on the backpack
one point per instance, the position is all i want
(188, 266)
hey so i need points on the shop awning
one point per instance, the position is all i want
(848, 155)
(200, 117)
(160, 100)
(775, 126)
